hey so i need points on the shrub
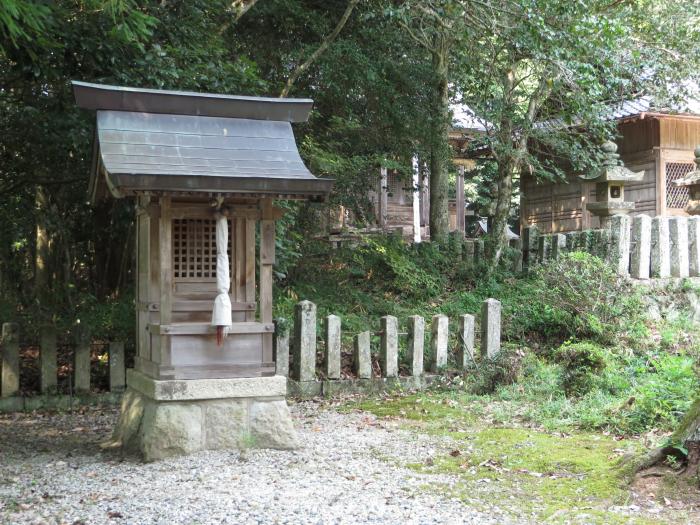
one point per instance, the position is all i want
(490, 373)
(413, 272)
(663, 394)
(582, 364)
(589, 298)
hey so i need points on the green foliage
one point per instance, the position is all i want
(402, 268)
(664, 394)
(587, 296)
(486, 375)
(630, 395)
(107, 320)
(582, 362)
(21, 19)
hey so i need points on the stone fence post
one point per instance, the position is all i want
(415, 345)
(304, 342)
(479, 251)
(544, 245)
(465, 346)
(362, 357)
(530, 245)
(517, 246)
(332, 337)
(280, 347)
(678, 233)
(660, 248)
(438, 342)
(81, 359)
(558, 245)
(694, 246)
(48, 359)
(117, 366)
(619, 255)
(490, 328)
(389, 351)
(468, 252)
(640, 258)
(9, 381)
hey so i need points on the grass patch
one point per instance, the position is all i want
(573, 477)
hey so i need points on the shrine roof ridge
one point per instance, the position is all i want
(121, 98)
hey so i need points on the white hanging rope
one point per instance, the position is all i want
(221, 315)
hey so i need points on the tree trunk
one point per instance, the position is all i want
(42, 252)
(439, 146)
(497, 235)
(687, 437)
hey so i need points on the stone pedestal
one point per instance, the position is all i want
(160, 419)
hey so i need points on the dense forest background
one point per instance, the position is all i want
(382, 75)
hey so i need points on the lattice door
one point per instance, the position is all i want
(395, 187)
(194, 249)
(677, 197)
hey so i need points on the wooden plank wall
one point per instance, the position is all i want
(680, 133)
(561, 207)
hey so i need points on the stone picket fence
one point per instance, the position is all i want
(79, 381)
(641, 247)
(302, 342)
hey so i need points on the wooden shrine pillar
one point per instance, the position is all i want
(382, 199)
(425, 196)
(143, 278)
(460, 201)
(267, 260)
(165, 224)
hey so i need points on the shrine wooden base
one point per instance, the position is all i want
(163, 418)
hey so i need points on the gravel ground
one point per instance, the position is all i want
(348, 471)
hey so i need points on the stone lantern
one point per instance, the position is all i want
(610, 182)
(692, 182)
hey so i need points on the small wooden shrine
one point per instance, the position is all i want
(204, 170)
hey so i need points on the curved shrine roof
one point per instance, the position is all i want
(169, 141)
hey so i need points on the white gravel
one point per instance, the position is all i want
(348, 471)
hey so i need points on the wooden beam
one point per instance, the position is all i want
(660, 181)
(239, 254)
(196, 305)
(469, 164)
(250, 266)
(208, 329)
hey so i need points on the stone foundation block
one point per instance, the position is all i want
(161, 419)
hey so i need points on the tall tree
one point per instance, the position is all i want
(526, 61)
(435, 25)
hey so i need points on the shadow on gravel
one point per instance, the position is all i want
(75, 433)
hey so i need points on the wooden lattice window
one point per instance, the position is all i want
(393, 184)
(677, 197)
(194, 249)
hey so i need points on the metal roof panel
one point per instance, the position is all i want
(226, 147)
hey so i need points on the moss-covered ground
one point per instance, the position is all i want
(540, 476)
